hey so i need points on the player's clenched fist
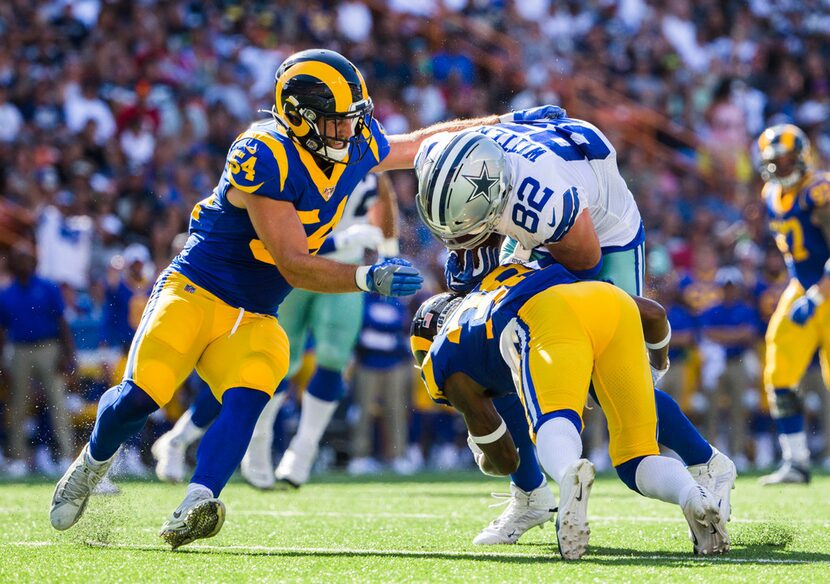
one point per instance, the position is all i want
(390, 277)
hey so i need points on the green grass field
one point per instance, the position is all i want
(420, 530)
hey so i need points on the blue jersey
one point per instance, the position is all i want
(799, 239)
(223, 253)
(469, 341)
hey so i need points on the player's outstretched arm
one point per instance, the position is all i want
(404, 147)
(488, 437)
(384, 214)
(280, 230)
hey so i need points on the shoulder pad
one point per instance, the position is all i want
(257, 163)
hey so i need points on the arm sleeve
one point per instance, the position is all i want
(559, 215)
(259, 166)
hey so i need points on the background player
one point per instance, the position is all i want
(796, 198)
(545, 336)
(551, 183)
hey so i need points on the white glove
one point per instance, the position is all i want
(657, 374)
(362, 236)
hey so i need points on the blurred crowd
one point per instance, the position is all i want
(116, 116)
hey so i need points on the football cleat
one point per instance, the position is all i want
(706, 531)
(572, 531)
(525, 510)
(718, 477)
(200, 516)
(257, 466)
(169, 452)
(73, 490)
(788, 473)
(295, 466)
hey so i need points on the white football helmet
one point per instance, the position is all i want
(463, 184)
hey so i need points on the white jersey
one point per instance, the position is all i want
(356, 212)
(561, 168)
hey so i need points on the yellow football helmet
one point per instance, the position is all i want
(786, 156)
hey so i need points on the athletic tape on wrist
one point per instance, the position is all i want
(660, 344)
(360, 277)
(492, 436)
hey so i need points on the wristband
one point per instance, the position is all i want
(660, 344)
(389, 247)
(360, 277)
(492, 436)
(814, 294)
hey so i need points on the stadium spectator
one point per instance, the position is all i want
(382, 382)
(41, 349)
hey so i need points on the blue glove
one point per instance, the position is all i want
(393, 277)
(802, 310)
(538, 114)
(477, 264)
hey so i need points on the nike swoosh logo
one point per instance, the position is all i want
(579, 496)
(177, 514)
(250, 150)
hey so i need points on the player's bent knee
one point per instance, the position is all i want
(332, 358)
(132, 402)
(570, 415)
(627, 471)
(261, 371)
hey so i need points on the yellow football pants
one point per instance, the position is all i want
(790, 347)
(576, 333)
(185, 327)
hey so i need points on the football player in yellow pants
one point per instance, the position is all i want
(546, 336)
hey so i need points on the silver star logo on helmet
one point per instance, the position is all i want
(482, 184)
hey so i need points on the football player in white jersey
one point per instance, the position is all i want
(369, 222)
(551, 185)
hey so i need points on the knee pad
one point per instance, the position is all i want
(785, 403)
(627, 472)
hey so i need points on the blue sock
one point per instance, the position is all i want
(676, 431)
(529, 474)
(205, 408)
(790, 424)
(627, 472)
(225, 442)
(327, 385)
(122, 411)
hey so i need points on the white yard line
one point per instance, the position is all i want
(254, 549)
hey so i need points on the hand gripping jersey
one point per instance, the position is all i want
(799, 239)
(470, 340)
(561, 168)
(223, 253)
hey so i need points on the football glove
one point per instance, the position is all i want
(803, 310)
(534, 114)
(390, 277)
(477, 264)
(363, 236)
(657, 374)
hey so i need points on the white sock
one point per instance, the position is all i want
(664, 478)
(264, 429)
(315, 416)
(96, 464)
(196, 488)
(558, 446)
(794, 448)
(185, 431)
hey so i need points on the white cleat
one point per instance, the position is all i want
(200, 516)
(169, 452)
(718, 477)
(257, 466)
(788, 473)
(707, 532)
(572, 531)
(525, 510)
(295, 466)
(73, 490)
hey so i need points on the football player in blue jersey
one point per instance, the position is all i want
(796, 197)
(550, 184)
(283, 189)
(544, 335)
